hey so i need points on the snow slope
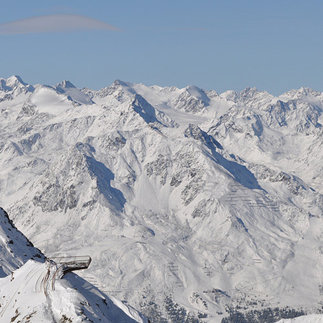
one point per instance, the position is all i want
(34, 290)
(15, 249)
(192, 204)
(314, 318)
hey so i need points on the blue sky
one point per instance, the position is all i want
(272, 45)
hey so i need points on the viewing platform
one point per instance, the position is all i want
(71, 263)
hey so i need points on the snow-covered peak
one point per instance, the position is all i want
(300, 93)
(65, 85)
(198, 93)
(122, 83)
(229, 95)
(15, 85)
(250, 97)
(248, 92)
(73, 94)
(190, 99)
(14, 80)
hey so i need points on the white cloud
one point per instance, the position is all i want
(54, 23)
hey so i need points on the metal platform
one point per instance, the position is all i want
(71, 263)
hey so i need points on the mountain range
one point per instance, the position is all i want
(194, 206)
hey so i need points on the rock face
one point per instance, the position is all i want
(193, 205)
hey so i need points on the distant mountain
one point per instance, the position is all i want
(34, 290)
(194, 205)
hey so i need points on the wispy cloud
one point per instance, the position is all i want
(54, 23)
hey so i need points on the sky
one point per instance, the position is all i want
(272, 45)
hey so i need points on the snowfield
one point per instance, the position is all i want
(314, 318)
(194, 206)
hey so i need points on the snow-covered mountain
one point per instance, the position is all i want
(193, 205)
(36, 289)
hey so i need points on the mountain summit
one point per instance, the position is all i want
(65, 85)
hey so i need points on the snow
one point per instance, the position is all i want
(314, 318)
(29, 293)
(15, 248)
(188, 202)
(73, 93)
(35, 290)
(47, 101)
